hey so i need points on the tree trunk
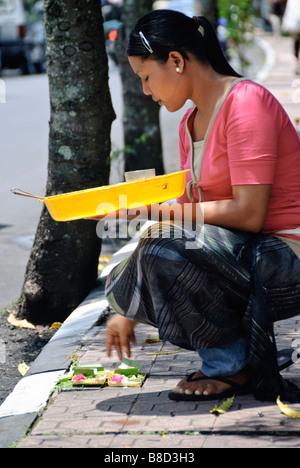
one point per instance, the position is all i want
(142, 136)
(62, 268)
(207, 8)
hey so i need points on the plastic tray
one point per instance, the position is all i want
(102, 200)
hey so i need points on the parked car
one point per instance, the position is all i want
(13, 24)
(21, 45)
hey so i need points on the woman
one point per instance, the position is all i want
(222, 297)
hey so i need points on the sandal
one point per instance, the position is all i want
(284, 359)
(235, 390)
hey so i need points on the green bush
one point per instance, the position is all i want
(239, 14)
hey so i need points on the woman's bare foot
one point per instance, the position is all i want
(210, 386)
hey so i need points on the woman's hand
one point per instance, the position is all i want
(120, 335)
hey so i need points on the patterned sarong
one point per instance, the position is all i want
(210, 290)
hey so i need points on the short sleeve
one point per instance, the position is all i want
(252, 126)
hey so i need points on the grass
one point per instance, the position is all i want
(8, 309)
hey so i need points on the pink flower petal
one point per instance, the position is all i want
(117, 378)
(79, 377)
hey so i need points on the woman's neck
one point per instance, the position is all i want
(208, 87)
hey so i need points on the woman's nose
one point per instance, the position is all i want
(146, 90)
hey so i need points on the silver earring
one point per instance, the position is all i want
(178, 69)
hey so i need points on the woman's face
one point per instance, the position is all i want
(163, 82)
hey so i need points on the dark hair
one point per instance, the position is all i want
(166, 30)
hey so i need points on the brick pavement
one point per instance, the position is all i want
(140, 418)
(145, 417)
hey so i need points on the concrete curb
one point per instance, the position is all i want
(31, 394)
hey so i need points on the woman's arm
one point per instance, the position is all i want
(246, 211)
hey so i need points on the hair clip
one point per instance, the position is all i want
(201, 30)
(145, 42)
(199, 25)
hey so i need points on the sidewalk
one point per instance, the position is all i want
(132, 418)
(146, 418)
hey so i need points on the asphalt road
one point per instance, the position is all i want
(24, 121)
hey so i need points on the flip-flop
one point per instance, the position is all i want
(235, 390)
(284, 358)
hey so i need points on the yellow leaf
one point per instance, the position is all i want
(55, 325)
(153, 340)
(23, 368)
(285, 409)
(103, 261)
(19, 323)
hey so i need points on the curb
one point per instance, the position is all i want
(31, 394)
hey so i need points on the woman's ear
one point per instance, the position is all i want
(177, 60)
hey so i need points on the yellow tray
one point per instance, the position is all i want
(107, 199)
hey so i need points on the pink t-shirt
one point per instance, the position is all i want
(252, 141)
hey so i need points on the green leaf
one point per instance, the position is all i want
(224, 407)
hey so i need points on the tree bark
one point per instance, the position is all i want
(142, 136)
(62, 268)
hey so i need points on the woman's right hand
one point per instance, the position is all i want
(120, 335)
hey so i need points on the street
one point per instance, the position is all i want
(24, 121)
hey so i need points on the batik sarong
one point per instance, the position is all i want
(211, 289)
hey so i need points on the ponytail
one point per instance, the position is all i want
(162, 31)
(214, 53)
